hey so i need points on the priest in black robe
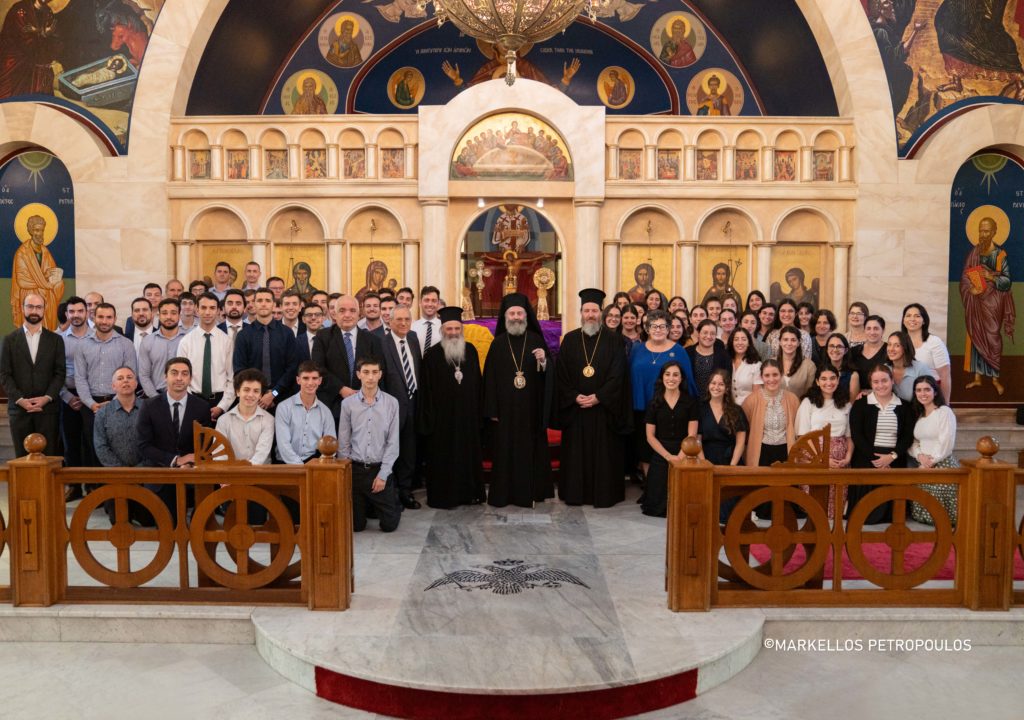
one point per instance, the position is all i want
(515, 380)
(450, 418)
(593, 411)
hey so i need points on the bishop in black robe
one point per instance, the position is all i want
(515, 378)
(592, 439)
(449, 416)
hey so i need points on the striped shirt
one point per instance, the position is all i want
(95, 363)
(887, 429)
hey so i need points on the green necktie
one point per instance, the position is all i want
(207, 369)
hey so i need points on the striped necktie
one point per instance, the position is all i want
(430, 334)
(410, 381)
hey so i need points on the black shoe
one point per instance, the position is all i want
(408, 501)
(72, 493)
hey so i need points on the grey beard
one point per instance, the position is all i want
(454, 349)
(515, 327)
(591, 328)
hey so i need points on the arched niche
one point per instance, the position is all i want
(297, 234)
(647, 252)
(799, 267)
(805, 226)
(724, 239)
(502, 250)
(217, 224)
(220, 234)
(375, 254)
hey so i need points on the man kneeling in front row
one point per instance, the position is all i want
(368, 436)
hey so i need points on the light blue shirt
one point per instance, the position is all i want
(368, 433)
(95, 363)
(299, 430)
(154, 353)
(71, 342)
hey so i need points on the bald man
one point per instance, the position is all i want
(337, 349)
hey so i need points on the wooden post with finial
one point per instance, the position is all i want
(327, 517)
(985, 517)
(37, 534)
(690, 572)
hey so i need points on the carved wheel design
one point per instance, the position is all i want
(239, 537)
(898, 537)
(291, 572)
(781, 537)
(122, 535)
(725, 570)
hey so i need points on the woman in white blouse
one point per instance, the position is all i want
(934, 438)
(929, 349)
(746, 364)
(828, 404)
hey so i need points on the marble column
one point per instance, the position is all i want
(336, 266)
(728, 163)
(764, 266)
(651, 162)
(845, 164)
(688, 271)
(294, 161)
(332, 161)
(840, 276)
(410, 163)
(588, 246)
(768, 163)
(806, 164)
(216, 162)
(612, 260)
(613, 162)
(182, 258)
(255, 166)
(371, 160)
(437, 261)
(259, 255)
(689, 162)
(411, 264)
(178, 169)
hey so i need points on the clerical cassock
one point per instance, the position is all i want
(515, 380)
(592, 410)
(450, 417)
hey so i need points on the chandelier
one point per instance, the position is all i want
(511, 24)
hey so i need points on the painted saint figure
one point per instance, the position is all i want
(714, 104)
(344, 50)
(616, 89)
(309, 103)
(643, 274)
(721, 288)
(376, 274)
(405, 90)
(989, 310)
(677, 51)
(301, 272)
(35, 271)
(28, 47)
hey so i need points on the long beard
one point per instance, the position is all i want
(454, 349)
(515, 327)
(591, 328)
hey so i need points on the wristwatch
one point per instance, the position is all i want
(274, 393)
(894, 455)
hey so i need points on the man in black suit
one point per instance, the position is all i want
(32, 370)
(269, 347)
(402, 360)
(336, 349)
(165, 426)
(312, 320)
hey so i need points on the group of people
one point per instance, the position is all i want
(747, 382)
(275, 370)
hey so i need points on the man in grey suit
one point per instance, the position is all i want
(401, 376)
(32, 370)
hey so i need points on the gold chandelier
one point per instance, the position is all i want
(511, 24)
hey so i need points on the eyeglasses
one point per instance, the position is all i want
(856, 313)
(836, 347)
(658, 326)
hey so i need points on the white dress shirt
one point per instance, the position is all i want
(222, 375)
(935, 434)
(139, 335)
(251, 439)
(420, 328)
(810, 418)
(33, 341)
(408, 349)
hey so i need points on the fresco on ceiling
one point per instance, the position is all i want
(638, 58)
(942, 56)
(84, 55)
(37, 224)
(986, 226)
(511, 146)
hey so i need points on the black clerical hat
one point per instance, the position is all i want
(592, 295)
(451, 313)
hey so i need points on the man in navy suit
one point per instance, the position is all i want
(165, 427)
(402, 374)
(313, 321)
(32, 370)
(336, 350)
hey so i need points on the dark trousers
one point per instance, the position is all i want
(24, 424)
(405, 466)
(384, 502)
(72, 431)
(88, 448)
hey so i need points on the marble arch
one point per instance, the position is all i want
(373, 205)
(192, 222)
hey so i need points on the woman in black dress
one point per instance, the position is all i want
(871, 352)
(671, 416)
(722, 429)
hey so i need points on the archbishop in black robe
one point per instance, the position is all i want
(449, 415)
(592, 440)
(521, 462)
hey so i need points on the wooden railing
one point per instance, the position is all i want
(308, 559)
(709, 563)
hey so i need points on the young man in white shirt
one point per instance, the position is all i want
(221, 279)
(428, 327)
(248, 427)
(213, 382)
(252, 276)
(291, 306)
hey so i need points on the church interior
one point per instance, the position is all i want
(835, 151)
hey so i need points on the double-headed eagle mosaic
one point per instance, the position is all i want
(507, 577)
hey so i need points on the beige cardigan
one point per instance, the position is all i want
(754, 407)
